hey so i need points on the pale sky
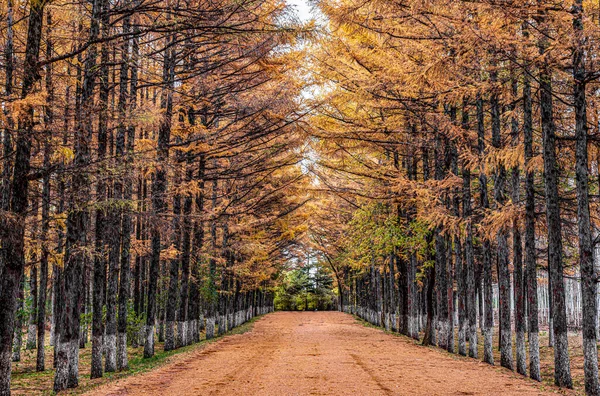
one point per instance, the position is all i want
(302, 9)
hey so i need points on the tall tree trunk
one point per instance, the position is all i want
(48, 120)
(13, 245)
(469, 267)
(33, 283)
(461, 298)
(403, 283)
(562, 370)
(7, 141)
(159, 188)
(519, 293)
(67, 359)
(18, 337)
(506, 358)
(412, 287)
(141, 235)
(99, 273)
(41, 313)
(114, 249)
(57, 270)
(530, 256)
(488, 322)
(224, 286)
(392, 287)
(7, 144)
(454, 205)
(468, 276)
(429, 324)
(450, 295)
(195, 308)
(440, 263)
(171, 341)
(113, 238)
(212, 267)
(173, 275)
(586, 249)
(85, 298)
(162, 316)
(126, 223)
(185, 262)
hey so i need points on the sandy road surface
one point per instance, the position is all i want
(320, 353)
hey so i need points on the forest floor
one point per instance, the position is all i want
(26, 381)
(321, 353)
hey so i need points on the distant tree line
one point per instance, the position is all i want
(307, 288)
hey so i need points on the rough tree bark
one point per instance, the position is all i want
(440, 262)
(48, 120)
(506, 358)
(429, 296)
(469, 262)
(159, 188)
(488, 322)
(67, 349)
(173, 276)
(99, 272)
(530, 256)
(33, 286)
(212, 268)
(195, 307)
(454, 250)
(562, 370)
(113, 240)
(125, 96)
(586, 247)
(13, 243)
(182, 320)
(517, 248)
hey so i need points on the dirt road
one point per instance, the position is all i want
(320, 353)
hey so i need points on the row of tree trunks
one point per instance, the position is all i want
(93, 211)
(519, 191)
(13, 262)
(451, 285)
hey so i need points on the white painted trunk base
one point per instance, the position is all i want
(110, 352)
